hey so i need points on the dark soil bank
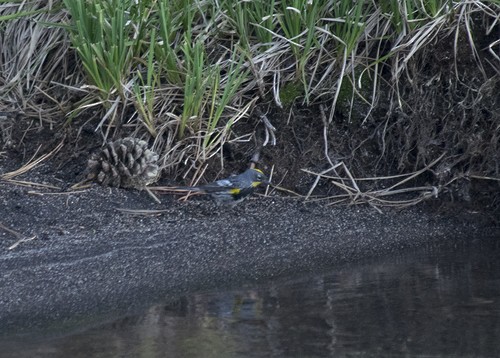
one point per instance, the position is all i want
(90, 261)
(77, 258)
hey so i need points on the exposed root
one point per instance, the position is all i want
(355, 195)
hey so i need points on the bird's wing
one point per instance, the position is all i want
(217, 186)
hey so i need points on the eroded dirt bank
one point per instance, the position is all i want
(76, 258)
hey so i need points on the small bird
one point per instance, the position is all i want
(233, 189)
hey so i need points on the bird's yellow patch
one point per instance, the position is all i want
(234, 191)
(255, 183)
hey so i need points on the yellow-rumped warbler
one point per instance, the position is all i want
(233, 189)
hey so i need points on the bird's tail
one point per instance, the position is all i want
(183, 189)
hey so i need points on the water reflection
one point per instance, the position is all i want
(439, 302)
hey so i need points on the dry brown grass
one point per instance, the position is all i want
(407, 84)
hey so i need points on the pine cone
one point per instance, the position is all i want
(126, 163)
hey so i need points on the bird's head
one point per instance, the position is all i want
(258, 177)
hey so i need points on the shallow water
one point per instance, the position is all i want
(443, 301)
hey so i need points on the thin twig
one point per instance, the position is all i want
(482, 177)
(16, 244)
(31, 164)
(151, 194)
(21, 238)
(142, 212)
(59, 193)
(15, 233)
(31, 184)
(270, 181)
(318, 177)
(373, 198)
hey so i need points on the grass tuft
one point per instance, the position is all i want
(185, 72)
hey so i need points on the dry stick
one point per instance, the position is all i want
(410, 176)
(362, 179)
(59, 105)
(492, 52)
(352, 180)
(82, 185)
(432, 192)
(151, 194)
(200, 175)
(343, 186)
(16, 244)
(21, 238)
(371, 196)
(483, 178)
(258, 76)
(15, 233)
(376, 198)
(403, 202)
(431, 189)
(143, 212)
(31, 164)
(31, 184)
(318, 177)
(339, 85)
(270, 181)
(325, 134)
(276, 88)
(337, 202)
(110, 112)
(375, 207)
(270, 130)
(280, 188)
(350, 191)
(418, 172)
(326, 124)
(31, 192)
(15, 172)
(343, 197)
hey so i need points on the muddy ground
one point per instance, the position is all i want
(77, 258)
